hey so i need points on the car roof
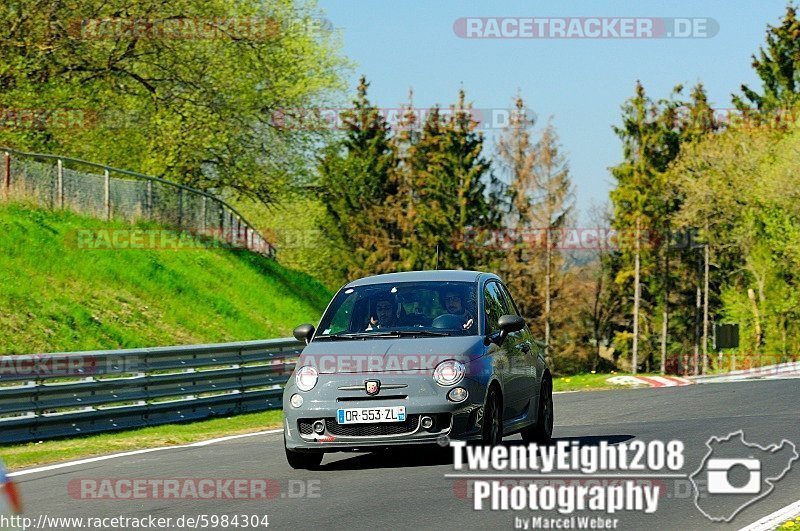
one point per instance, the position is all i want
(440, 275)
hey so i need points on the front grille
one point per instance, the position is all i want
(441, 422)
(371, 430)
(376, 397)
(361, 430)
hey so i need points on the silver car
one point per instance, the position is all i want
(416, 358)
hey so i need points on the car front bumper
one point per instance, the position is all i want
(420, 395)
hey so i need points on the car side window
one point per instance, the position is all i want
(511, 306)
(494, 306)
(341, 323)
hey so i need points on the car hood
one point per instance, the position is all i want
(404, 354)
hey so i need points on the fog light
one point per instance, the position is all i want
(427, 422)
(296, 400)
(457, 394)
(319, 427)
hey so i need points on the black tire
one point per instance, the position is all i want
(303, 460)
(542, 431)
(492, 423)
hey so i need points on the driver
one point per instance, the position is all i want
(454, 304)
(385, 314)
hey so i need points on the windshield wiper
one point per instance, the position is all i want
(384, 334)
(421, 332)
(358, 335)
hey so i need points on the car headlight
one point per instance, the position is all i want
(449, 372)
(306, 378)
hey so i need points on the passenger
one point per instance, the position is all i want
(385, 315)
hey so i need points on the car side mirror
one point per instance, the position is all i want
(304, 333)
(507, 324)
(510, 323)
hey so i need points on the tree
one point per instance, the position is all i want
(189, 91)
(778, 67)
(445, 190)
(734, 187)
(540, 197)
(516, 156)
(355, 182)
(684, 122)
(551, 208)
(650, 141)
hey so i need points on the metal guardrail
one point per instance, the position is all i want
(53, 181)
(56, 395)
(778, 370)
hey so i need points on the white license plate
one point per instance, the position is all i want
(368, 415)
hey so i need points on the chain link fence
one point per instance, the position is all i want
(108, 193)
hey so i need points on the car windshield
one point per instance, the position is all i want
(405, 308)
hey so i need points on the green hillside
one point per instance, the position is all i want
(55, 296)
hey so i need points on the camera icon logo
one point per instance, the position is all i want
(719, 481)
(735, 474)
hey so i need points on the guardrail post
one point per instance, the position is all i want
(7, 176)
(107, 197)
(60, 174)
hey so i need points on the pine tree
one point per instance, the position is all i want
(444, 191)
(402, 204)
(778, 67)
(540, 199)
(354, 184)
(645, 201)
(635, 199)
(699, 123)
(516, 156)
(551, 209)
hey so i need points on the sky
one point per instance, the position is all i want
(578, 84)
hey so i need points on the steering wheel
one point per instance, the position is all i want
(449, 321)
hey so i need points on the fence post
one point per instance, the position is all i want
(7, 176)
(235, 226)
(149, 199)
(60, 173)
(180, 208)
(203, 223)
(107, 198)
(221, 235)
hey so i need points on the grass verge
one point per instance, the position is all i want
(26, 455)
(588, 382)
(793, 523)
(67, 297)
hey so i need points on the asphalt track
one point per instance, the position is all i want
(409, 490)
